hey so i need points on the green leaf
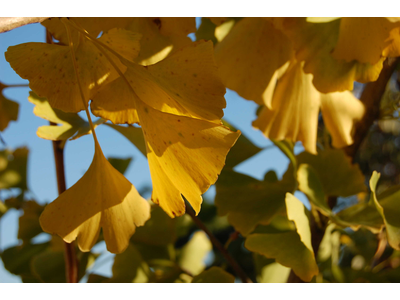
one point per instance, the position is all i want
(194, 252)
(311, 186)
(49, 266)
(242, 150)
(287, 147)
(8, 111)
(71, 125)
(29, 225)
(338, 176)
(95, 278)
(159, 230)
(14, 174)
(17, 259)
(214, 275)
(121, 164)
(206, 31)
(130, 266)
(292, 249)
(133, 134)
(389, 209)
(248, 201)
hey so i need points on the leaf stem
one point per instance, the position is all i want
(238, 270)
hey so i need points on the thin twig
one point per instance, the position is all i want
(238, 270)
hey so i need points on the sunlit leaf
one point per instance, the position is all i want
(314, 43)
(366, 39)
(269, 271)
(295, 109)
(29, 225)
(50, 70)
(341, 111)
(292, 249)
(194, 252)
(214, 275)
(186, 83)
(129, 266)
(93, 26)
(102, 198)
(71, 125)
(161, 37)
(249, 55)
(185, 157)
(248, 201)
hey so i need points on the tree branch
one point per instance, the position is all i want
(238, 270)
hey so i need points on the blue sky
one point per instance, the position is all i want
(79, 153)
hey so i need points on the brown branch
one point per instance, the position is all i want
(238, 270)
(71, 263)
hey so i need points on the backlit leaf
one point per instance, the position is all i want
(314, 43)
(50, 71)
(366, 39)
(71, 125)
(102, 198)
(249, 55)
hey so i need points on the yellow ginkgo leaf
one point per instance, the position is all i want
(341, 111)
(185, 156)
(8, 111)
(50, 71)
(71, 125)
(249, 55)
(314, 43)
(365, 39)
(102, 198)
(93, 26)
(186, 83)
(295, 108)
(161, 37)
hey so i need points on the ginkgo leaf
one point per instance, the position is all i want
(293, 248)
(249, 55)
(133, 134)
(8, 111)
(186, 83)
(13, 173)
(389, 208)
(341, 111)
(214, 275)
(248, 201)
(185, 156)
(314, 43)
(28, 223)
(71, 125)
(94, 26)
(102, 198)
(194, 252)
(50, 70)
(295, 108)
(343, 179)
(161, 37)
(366, 39)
